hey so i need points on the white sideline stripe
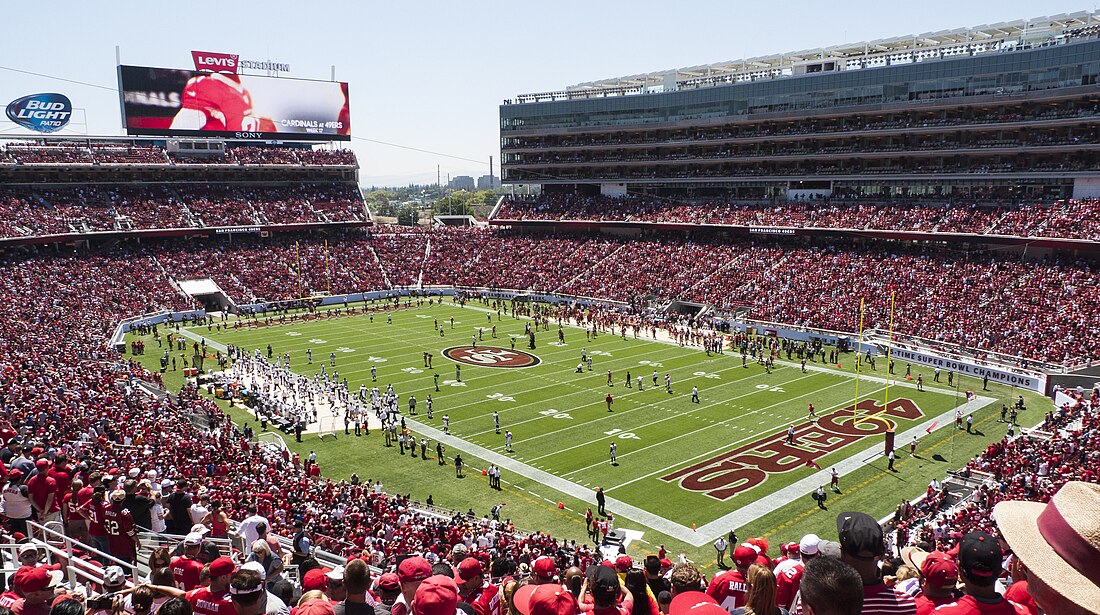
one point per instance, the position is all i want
(569, 488)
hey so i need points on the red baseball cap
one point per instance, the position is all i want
(695, 603)
(940, 570)
(413, 569)
(35, 579)
(624, 563)
(547, 599)
(666, 563)
(544, 567)
(42, 463)
(314, 579)
(389, 582)
(522, 598)
(437, 595)
(221, 567)
(744, 555)
(468, 569)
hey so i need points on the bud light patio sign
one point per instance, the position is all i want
(41, 112)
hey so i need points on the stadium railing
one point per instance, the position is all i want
(63, 549)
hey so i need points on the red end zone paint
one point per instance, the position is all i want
(489, 356)
(743, 468)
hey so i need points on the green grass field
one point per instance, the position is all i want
(680, 464)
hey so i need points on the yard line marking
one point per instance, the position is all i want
(667, 418)
(685, 434)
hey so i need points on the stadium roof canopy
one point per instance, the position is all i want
(992, 38)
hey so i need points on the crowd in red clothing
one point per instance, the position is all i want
(122, 153)
(30, 211)
(1037, 310)
(1069, 219)
(73, 399)
(1031, 466)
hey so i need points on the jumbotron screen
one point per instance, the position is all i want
(171, 102)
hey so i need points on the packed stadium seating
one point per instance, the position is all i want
(31, 211)
(56, 359)
(121, 153)
(1037, 310)
(1068, 219)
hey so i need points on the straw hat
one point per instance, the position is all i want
(1059, 542)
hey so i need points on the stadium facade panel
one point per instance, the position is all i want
(1016, 123)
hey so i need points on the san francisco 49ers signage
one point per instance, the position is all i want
(488, 356)
(745, 467)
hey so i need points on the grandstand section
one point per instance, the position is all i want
(1005, 112)
(53, 188)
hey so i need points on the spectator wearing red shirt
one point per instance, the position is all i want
(728, 588)
(209, 600)
(186, 568)
(788, 574)
(474, 590)
(938, 576)
(44, 493)
(979, 566)
(36, 584)
(121, 532)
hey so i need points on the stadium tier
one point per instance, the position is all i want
(52, 187)
(917, 218)
(1008, 113)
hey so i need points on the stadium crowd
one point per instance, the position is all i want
(31, 211)
(964, 298)
(123, 153)
(73, 412)
(1068, 219)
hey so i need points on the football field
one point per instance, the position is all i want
(690, 470)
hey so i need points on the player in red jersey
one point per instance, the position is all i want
(218, 101)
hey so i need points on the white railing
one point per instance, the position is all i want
(61, 549)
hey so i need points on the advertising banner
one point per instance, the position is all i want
(1023, 380)
(41, 112)
(169, 102)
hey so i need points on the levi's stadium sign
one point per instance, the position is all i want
(41, 112)
(231, 63)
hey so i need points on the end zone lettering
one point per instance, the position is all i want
(743, 468)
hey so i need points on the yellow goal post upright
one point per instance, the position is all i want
(889, 380)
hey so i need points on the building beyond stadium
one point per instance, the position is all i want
(1004, 111)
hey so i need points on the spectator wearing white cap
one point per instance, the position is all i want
(334, 585)
(274, 605)
(788, 575)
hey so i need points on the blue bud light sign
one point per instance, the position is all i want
(41, 112)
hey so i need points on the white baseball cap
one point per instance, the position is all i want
(808, 544)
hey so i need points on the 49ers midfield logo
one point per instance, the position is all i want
(745, 467)
(487, 356)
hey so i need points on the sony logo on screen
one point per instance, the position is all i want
(210, 60)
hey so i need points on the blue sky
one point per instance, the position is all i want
(431, 75)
